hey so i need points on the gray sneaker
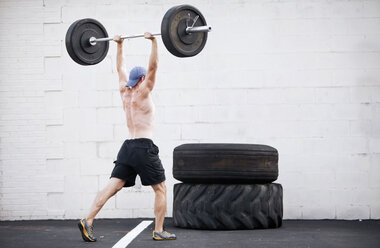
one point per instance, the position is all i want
(86, 230)
(163, 235)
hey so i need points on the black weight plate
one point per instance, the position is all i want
(78, 45)
(178, 42)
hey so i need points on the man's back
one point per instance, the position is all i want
(135, 92)
(139, 109)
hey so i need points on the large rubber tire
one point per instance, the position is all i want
(225, 163)
(230, 207)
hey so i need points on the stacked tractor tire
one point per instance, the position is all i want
(226, 187)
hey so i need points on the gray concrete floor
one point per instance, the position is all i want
(293, 234)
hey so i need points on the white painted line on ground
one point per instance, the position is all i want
(123, 242)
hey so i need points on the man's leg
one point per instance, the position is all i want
(159, 205)
(113, 186)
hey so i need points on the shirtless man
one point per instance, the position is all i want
(137, 155)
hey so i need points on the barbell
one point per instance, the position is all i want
(183, 31)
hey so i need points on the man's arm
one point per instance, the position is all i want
(120, 64)
(150, 78)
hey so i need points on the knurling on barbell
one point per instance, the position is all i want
(183, 30)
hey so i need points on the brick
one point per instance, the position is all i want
(104, 98)
(305, 78)
(54, 151)
(108, 150)
(352, 212)
(304, 43)
(352, 180)
(292, 212)
(74, 81)
(72, 184)
(52, 14)
(88, 99)
(376, 94)
(55, 201)
(167, 131)
(374, 145)
(363, 26)
(336, 145)
(281, 112)
(63, 166)
(180, 114)
(49, 184)
(103, 181)
(351, 112)
(53, 31)
(289, 179)
(98, 132)
(365, 196)
(110, 116)
(75, 184)
(21, 3)
(360, 77)
(73, 13)
(54, 133)
(230, 97)
(293, 196)
(54, 85)
(344, 9)
(318, 212)
(53, 66)
(322, 181)
(196, 97)
(95, 167)
(216, 114)
(332, 95)
(144, 212)
(120, 132)
(375, 211)
(26, 66)
(116, 99)
(376, 124)
(220, 131)
(361, 94)
(54, 99)
(166, 97)
(73, 200)
(70, 99)
(53, 49)
(70, 122)
(135, 200)
(349, 43)
(166, 148)
(273, 96)
(374, 171)
(361, 128)
(76, 150)
(354, 163)
(107, 81)
(12, 15)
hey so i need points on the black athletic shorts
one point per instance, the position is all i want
(139, 157)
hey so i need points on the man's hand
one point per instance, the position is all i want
(117, 39)
(149, 36)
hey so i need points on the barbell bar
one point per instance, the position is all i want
(189, 30)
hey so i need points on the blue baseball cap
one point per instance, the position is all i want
(135, 75)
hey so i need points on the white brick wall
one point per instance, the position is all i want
(302, 76)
